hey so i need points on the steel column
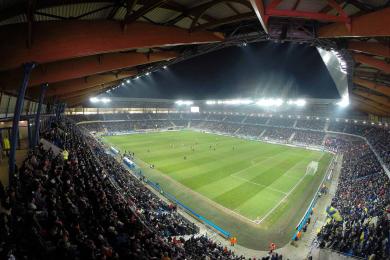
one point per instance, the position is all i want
(38, 114)
(30, 134)
(27, 68)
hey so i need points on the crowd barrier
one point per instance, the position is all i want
(173, 199)
(113, 150)
(309, 210)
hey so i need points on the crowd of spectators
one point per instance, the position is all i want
(363, 201)
(378, 136)
(281, 121)
(256, 120)
(311, 124)
(87, 206)
(309, 137)
(250, 131)
(279, 134)
(235, 118)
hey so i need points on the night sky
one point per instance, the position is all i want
(258, 70)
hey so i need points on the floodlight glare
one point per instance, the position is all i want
(105, 100)
(300, 102)
(211, 102)
(128, 81)
(123, 84)
(147, 73)
(165, 67)
(184, 102)
(269, 102)
(344, 102)
(96, 100)
(137, 77)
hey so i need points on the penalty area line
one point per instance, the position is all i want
(280, 202)
(258, 184)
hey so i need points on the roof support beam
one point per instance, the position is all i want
(80, 99)
(54, 41)
(82, 67)
(374, 48)
(142, 11)
(373, 76)
(227, 20)
(372, 85)
(372, 62)
(258, 7)
(369, 109)
(307, 15)
(73, 85)
(296, 4)
(368, 102)
(369, 25)
(104, 86)
(377, 99)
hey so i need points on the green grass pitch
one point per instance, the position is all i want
(260, 184)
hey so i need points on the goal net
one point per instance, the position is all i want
(312, 168)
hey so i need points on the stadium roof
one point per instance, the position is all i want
(83, 48)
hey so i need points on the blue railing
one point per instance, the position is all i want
(309, 210)
(113, 150)
(172, 198)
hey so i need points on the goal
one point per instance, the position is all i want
(312, 168)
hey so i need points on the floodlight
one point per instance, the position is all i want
(137, 77)
(105, 100)
(147, 73)
(184, 102)
(300, 102)
(94, 100)
(268, 102)
(128, 81)
(165, 67)
(344, 102)
(211, 102)
(123, 84)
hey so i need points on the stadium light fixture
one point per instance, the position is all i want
(123, 84)
(344, 102)
(184, 102)
(165, 67)
(96, 100)
(211, 102)
(137, 77)
(128, 81)
(270, 102)
(298, 102)
(147, 73)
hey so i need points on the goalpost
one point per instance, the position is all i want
(312, 168)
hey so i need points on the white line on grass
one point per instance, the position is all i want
(258, 184)
(280, 202)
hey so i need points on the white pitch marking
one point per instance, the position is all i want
(258, 184)
(280, 202)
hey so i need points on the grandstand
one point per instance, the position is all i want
(183, 129)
